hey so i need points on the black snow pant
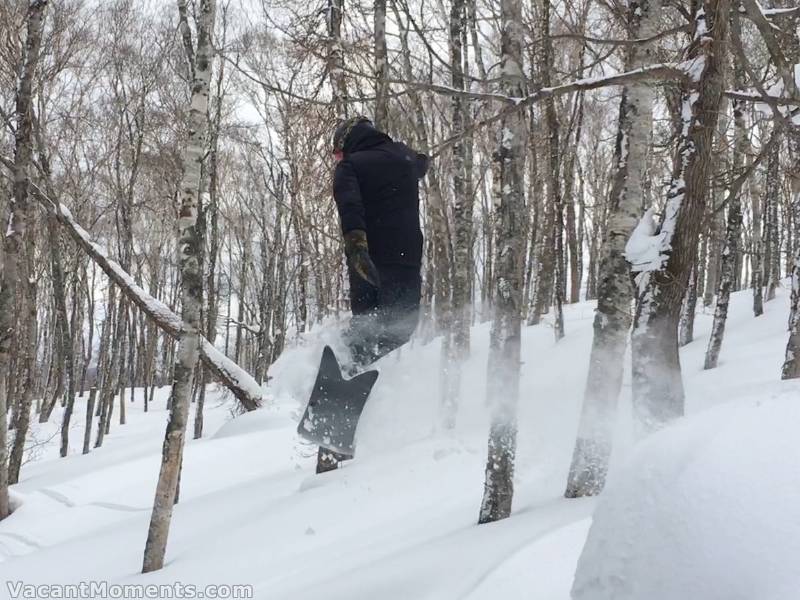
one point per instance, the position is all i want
(383, 318)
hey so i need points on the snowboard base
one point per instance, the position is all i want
(335, 406)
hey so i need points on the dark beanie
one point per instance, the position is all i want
(343, 130)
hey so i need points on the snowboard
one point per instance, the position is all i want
(335, 405)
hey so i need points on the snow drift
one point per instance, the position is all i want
(708, 508)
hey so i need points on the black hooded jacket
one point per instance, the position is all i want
(375, 187)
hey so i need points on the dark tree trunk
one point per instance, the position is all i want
(729, 259)
(658, 394)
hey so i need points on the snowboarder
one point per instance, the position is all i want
(375, 186)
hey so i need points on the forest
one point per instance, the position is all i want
(166, 191)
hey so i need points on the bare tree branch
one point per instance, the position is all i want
(236, 379)
(658, 72)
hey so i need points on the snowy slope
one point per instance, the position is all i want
(730, 529)
(396, 523)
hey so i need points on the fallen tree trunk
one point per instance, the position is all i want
(232, 376)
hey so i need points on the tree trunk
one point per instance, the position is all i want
(658, 395)
(549, 279)
(335, 58)
(771, 243)
(111, 379)
(757, 252)
(15, 238)
(456, 348)
(715, 240)
(327, 460)
(87, 358)
(731, 249)
(191, 294)
(613, 318)
(503, 368)
(240, 295)
(791, 363)
(571, 225)
(63, 332)
(28, 363)
(87, 434)
(686, 323)
(212, 209)
(381, 67)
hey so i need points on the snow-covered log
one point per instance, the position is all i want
(232, 376)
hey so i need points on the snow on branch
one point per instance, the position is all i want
(651, 73)
(777, 95)
(770, 97)
(767, 30)
(780, 12)
(621, 42)
(232, 376)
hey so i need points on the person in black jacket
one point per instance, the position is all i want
(375, 186)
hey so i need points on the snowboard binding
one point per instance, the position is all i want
(335, 406)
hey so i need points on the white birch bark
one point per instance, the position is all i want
(771, 243)
(456, 348)
(757, 251)
(336, 57)
(327, 460)
(503, 367)
(791, 363)
(381, 67)
(191, 293)
(549, 276)
(613, 318)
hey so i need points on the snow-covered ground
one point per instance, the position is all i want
(690, 513)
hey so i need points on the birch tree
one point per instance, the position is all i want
(381, 66)
(335, 58)
(17, 228)
(730, 251)
(456, 346)
(771, 242)
(63, 335)
(791, 362)
(191, 287)
(548, 277)
(503, 368)
(613, 317)
(328, 460)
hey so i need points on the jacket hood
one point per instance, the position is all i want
(363, 135)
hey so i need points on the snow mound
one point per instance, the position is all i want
(708, 508)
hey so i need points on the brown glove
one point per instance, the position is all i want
(357, 252)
